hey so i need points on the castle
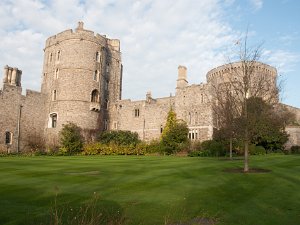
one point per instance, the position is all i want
(82, 83)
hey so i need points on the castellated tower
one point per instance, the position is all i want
(82, 76)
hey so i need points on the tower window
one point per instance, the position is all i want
(53, 120)
(56, 73)
(95, 96)
(97, 56)
(96, 75)
(50, 57)
(58, 55)
(54, 95)
(202, 98)
(106, 104)
(136, 113)
(8, 138)
(161, 128)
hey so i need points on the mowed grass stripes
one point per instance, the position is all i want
(152, 189)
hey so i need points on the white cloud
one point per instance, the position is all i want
(284, 61)
(256, 4)
(156, 36)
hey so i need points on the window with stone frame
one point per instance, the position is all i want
(136, 112)
(58, 55)
(95, 96)
(56, 73)
(53, 120)
(8, 137)
(98, 56)
(54, 95)
(96, 75)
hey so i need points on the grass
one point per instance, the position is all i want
(151, 190)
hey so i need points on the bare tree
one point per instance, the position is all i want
(238, 82)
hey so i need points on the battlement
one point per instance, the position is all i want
(227, 68)
(82, 34)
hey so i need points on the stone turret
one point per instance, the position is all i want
(81, 79)
(12, 76)
(182, 77)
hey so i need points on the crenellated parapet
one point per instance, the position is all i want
(85, 35)
(221, 73)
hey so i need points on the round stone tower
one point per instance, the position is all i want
(82, 75)
(262, 78)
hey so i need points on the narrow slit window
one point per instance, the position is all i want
(97, 56)
(58, 55)
(96, 75)
(56, 73)
(50, 57)
(54, 95)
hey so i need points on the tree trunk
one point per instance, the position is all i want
(246, 149)
(230, 148)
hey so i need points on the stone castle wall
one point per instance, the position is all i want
(22, 116)
(146, 117)
(82, 83)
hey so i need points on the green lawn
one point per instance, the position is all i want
(152, 190)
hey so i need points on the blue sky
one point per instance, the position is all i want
(157, 36)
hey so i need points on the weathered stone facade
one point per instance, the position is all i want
(21, 121)
(82, 83)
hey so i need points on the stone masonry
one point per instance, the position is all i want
(82, 83)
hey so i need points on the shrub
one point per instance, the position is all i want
(214, 148)
(98, 148)
(70, 139)
(154, 147)
(209, 148)
(257, 150)
(175, 135)
(119, 137)
(295, 149)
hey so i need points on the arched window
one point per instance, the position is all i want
(97, 56)
(54, 95)
(53, 120)
(202, 98)
(95, 96)
(196, 117)
(8, 138)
